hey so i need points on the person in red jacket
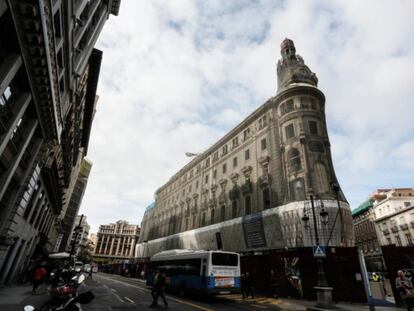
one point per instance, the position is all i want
(38, 277)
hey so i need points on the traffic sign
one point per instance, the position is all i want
(319, 251)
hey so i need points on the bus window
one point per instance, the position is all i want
(224, 259)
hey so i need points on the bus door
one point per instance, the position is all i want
(203, 271)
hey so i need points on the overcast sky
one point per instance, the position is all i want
(177, 75)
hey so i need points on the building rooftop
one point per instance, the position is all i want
(363, 207)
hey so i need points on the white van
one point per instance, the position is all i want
(87, 268)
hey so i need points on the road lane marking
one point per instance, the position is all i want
(130, 300)
(169, 297)
(119, 298)
(258, 306)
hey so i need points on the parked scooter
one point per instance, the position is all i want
(67, 299)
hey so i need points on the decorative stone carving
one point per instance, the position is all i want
(234, 177)
(292, 69)
(247, 170)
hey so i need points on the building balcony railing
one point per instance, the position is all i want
(404, 227)
(394, 229)
(385, 231)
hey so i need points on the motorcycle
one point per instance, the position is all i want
(66, 298)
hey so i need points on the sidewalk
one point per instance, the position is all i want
(14, 298)
(343, 306)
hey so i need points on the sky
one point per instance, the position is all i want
(178, 75)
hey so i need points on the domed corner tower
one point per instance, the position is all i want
(304, 142)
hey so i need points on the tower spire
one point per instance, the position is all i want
(291, 68)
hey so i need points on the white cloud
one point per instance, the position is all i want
(178, 75)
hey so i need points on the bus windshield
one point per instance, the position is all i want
(224, 259)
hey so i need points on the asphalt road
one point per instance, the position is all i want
(113, 292)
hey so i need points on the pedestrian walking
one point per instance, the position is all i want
(90, 273)
(273, 284)
(405, 288)
(249, 285)
(38, 278)
(153, 289)
(159, 290)
(243, 285)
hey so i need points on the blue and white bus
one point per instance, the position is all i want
(197, 271)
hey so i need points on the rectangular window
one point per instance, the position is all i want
(235, 162)
(215, 156)
(206, 179)
(398, 240)
(409, 238)
(289, 131)
(223, 213)
(247, 205)
(5, 96)
(212, 216)
(224, 149)
(197, 184)
(57, 25)
(263, 144)
(246, 134)
(60, 60)
(234, 209)
(266, 198)
(247, 154)
(313, 127)
(214, 174)
(224, 168)
(235, 142)
(207, 163)
(224, 259)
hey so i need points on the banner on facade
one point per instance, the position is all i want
(253, 231)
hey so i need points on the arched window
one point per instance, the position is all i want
(294, 160)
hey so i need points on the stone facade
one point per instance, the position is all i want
(394, 216)
(366, 237)
(80, 233)
(116, 242)
(49, 72)
(278, 155)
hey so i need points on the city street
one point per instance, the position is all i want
(115, 292)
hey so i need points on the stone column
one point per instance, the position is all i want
(100, 246)
(107, 245)
(132, 249)
(117, 247)
(112, 245)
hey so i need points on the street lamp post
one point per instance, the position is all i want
(323, 290)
